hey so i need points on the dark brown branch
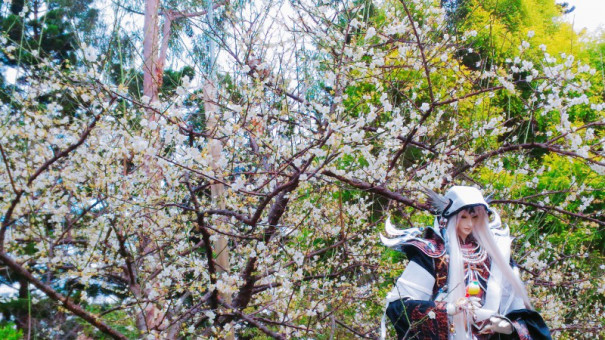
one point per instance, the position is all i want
(7, 217)
(130, 271)
(6, 222)
(275, 213)
(584, 329)
(425, 64)
(353, 330)
(253, 321)
(260, 288)
(201, 228)
(54, 295)
(240, 217)
(468, 95)
(525, 146)
(547, 208)
(377, 189)
(8, 170)
(245, 292)
(65, 152)
(290, 185)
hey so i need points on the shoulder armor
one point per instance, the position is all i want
(430, 244)
(427, 240)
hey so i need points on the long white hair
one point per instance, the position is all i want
(456, 285)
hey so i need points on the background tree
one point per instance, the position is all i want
(328, 117)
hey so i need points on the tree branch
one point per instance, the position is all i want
(377, 189)
(547, 208)
(253, 321)
(54, 295)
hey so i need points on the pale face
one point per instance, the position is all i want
(466, 223)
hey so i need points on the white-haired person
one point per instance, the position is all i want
(460, 282)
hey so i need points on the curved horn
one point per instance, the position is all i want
(438, 202)
(388, 227)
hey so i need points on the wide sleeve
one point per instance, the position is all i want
(410, 308)
(510, 300)
(417, 280)
(527, 324)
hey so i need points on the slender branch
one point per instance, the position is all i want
(526, 146)
(427, 75)
(7, 216)
(547, 208)
(208, 247)
(65, 152)
(353, 330)
(8, 170)
(468, 95)
(178, 14)
(240, 217)
(425, 64)
(6, 221)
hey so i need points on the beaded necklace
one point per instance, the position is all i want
(475, 255)
(474, 258)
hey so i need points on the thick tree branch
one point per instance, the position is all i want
(377, 189)
(54, 295)
(253, 321)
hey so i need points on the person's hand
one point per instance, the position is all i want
(498, 325)
(473, 304)
(469, 305)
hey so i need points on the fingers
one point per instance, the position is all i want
(495, 320)
(476, 304)
(469, 303)
(497, 325)
(487, 329)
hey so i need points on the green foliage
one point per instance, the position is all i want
(117, 319)
(8, 331)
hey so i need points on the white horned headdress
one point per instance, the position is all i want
(444, 206)
(456, 199)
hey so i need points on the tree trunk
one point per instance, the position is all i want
(151, 73)
(23, 317)
(150, 316)
(217, 189)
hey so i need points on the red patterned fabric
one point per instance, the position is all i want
(522, 331)
(428, 323)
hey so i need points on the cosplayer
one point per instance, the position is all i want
(460, 282)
